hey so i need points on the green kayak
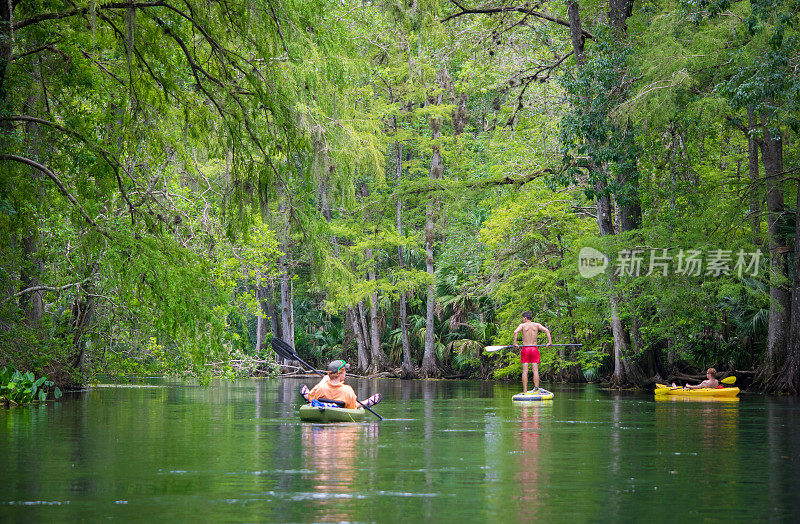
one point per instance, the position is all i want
(542, 394)
(309, 413)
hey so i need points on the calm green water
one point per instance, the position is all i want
(447, 451)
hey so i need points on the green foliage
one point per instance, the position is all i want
(196, 145)
(593, 139)
(509, 372)
(590, 363)
(24, 388)
(532, 243)
(512, 366)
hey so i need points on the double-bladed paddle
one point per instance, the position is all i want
(286, 351)
(490, 349)
(662, 389)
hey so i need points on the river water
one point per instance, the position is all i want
(447, 451)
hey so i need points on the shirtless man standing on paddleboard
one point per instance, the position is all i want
(530, 351)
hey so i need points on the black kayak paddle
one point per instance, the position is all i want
(286, 351)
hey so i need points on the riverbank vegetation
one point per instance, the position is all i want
(24, 388)
(394, 183)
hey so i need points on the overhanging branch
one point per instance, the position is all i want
(109, 157)
(34, 289)
(61, 187)
(82, 10)
(443, 185)
(511, 9)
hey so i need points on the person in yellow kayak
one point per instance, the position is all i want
(333, 388)
(529, 354)
(711, 381)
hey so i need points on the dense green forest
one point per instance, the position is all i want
(395, 182)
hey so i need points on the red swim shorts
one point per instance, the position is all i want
(530, 354)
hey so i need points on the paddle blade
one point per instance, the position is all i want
(490, 349)
(283, 349)
(729, 380)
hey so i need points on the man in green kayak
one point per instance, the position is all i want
(529, 354)
(333, 388)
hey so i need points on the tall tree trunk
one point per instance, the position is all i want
(261, 324)
(562, 369)
(429, 366)
(291, 310)
(6, 54)
(362, 320)
(378, 356)
(629, 205)
(267, 322)
(82, 317)
(788, 379)
(604, 211)
(618, 13)
(606, 225)
(274, 324)
(576, 33)
(752, 166)
(670, 356)
(32, 304)
(618, 378)
(408, 366)
(287, 307)
(605, 216)
(630, 219)
(778, 328)
(627, 195)
(353, 320)
(285, 269)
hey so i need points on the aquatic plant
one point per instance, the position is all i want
(24, 388)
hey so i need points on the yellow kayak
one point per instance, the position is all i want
(661, 389)
(695, 398)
